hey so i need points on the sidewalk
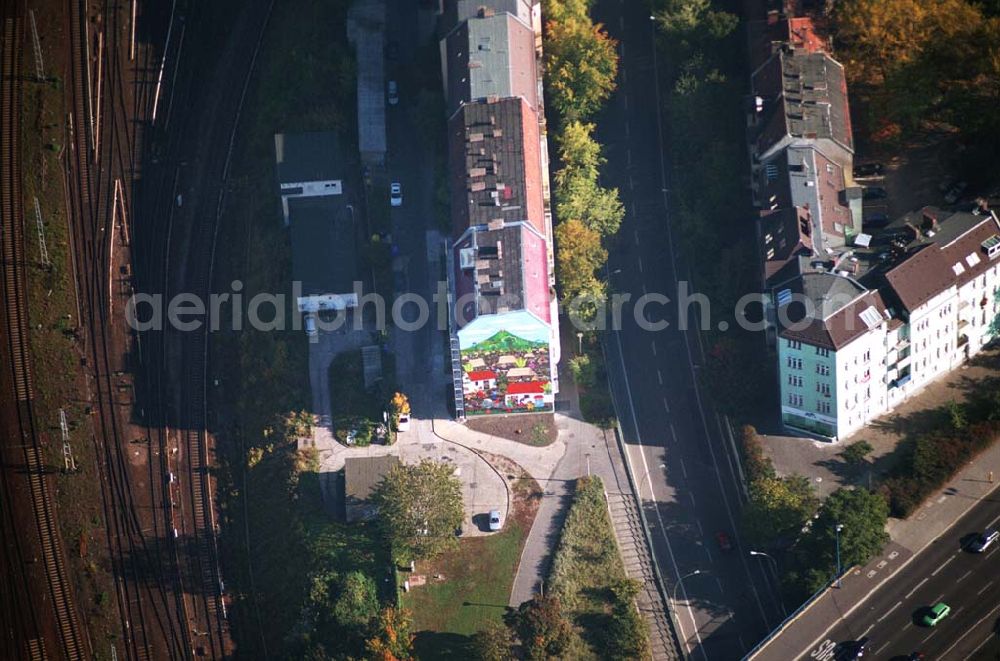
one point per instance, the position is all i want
(909, 538)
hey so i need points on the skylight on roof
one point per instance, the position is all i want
(958, 268)
(972, 259)
(870, 316)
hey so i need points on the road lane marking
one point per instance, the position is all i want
(665, 405)
(973, 628)
(867, 631)
(659, 376)
(701, 531)
(719, 583)
(693, 502)
(653, 344)
(984, 588)
(640, 264)
(684, 469)
(964, 576)
(886, 614)
(709, 554)
(930, 636)
(942, 566)
(635, 235)
(908, 594)
(937, 598)
(672, 432)
(883, 647)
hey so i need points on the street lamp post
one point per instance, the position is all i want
(839, 527)
(761, 554)
(680, 581)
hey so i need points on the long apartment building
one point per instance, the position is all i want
(504, 327)
(861, 321)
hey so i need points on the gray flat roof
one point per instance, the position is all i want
(301, 157)
(324, 250)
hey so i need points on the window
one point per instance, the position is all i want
(823, 389)
(794, 399)
(795, 380)
(867, 355)
(794, 344)
(794, 363)
(823, 370)
(823, 407)
(822, 352)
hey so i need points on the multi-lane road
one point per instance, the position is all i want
(944, 572)
(724, 600)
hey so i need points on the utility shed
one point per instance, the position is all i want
(361, 476)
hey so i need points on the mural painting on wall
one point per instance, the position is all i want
(506, 373)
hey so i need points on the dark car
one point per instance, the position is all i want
(854, 649)
(722, 539)
(874, 193)
(875, 219)
(984, 541)
(868, 170)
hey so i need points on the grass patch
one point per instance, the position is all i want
(477, 582)
(535, 429)
(589, 578)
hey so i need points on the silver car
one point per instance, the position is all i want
(495, 522)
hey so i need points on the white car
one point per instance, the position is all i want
(393, 93)
(495, 522)
(396, 194)
(403, 423)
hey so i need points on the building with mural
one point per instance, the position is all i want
(504, 322)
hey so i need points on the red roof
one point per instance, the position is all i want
(483, 375)
(526, 388)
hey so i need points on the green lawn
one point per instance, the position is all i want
(475, 589)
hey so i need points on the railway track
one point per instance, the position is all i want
(74, 645)
(136, 499)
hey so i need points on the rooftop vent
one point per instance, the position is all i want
(992, 246)
(467, 258)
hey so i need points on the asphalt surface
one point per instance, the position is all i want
(723, 599)
(945, 571)
(417, 246)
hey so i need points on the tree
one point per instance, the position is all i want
(862, 514)
(494, 642)
(391, 639)
(691, 19)
(543, 630)
(579, 153)
(581, 64)
(778, 506)
(419, 508)
(357, 604)
(855, 453)
(600, 209)
(578, 256)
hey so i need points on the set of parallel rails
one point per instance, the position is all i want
(73, 644)
(147, 585)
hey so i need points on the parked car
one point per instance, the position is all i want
(854, 649)
(874, 193)
(955, 192)
(393, 93)
(403, 423)
(495, 522)
(396, 194)
(984, 541)
(875, 219)
(868, 170)
(722, 539)
(938, 612)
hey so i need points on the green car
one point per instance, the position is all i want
(938, 612)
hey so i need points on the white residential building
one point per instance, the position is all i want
(876, 339)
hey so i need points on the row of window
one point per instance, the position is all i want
(796, 400)
(797, 346)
